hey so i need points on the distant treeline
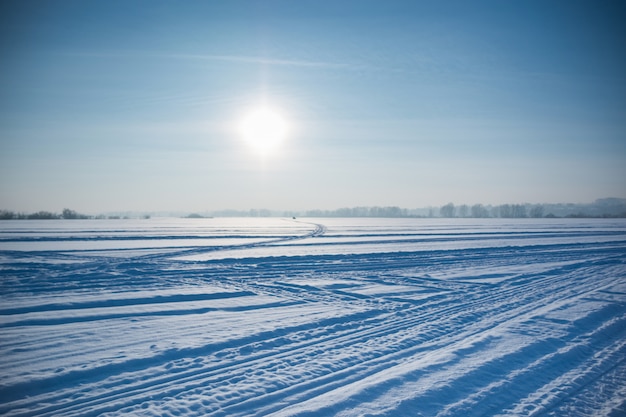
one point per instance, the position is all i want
(361, 212)
(66, 214)
(604, 207)
(41, 215)
(601, 208)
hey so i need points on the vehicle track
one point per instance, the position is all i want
(415, 322)
(371, 335)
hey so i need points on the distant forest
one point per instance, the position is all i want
(601, 208)
(66, 214)
(604, 207)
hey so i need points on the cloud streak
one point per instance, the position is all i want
(417, 64)
(262, 60)
(244, 59)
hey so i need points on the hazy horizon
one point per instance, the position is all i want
(609, 207)
(138, 106)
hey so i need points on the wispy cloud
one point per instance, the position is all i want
(262, 60)
(245, 59)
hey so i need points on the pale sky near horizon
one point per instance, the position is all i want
(135, 105)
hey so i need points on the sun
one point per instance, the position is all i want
(263, 129)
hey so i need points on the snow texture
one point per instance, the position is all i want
(342, 317)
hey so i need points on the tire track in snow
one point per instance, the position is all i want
(393, 342)
(445, 340)
(318, 230)
(398, 326)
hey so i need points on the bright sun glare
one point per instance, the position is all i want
(263, 129)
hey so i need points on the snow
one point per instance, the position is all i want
(282, 317)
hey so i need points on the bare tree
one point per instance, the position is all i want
(479, 211)
(536, 211)
(463, 210)
(448, 210)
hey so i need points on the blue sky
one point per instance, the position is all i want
(134, 105)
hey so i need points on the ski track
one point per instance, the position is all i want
(500, 319)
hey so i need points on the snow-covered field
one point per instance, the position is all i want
(324, 317)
